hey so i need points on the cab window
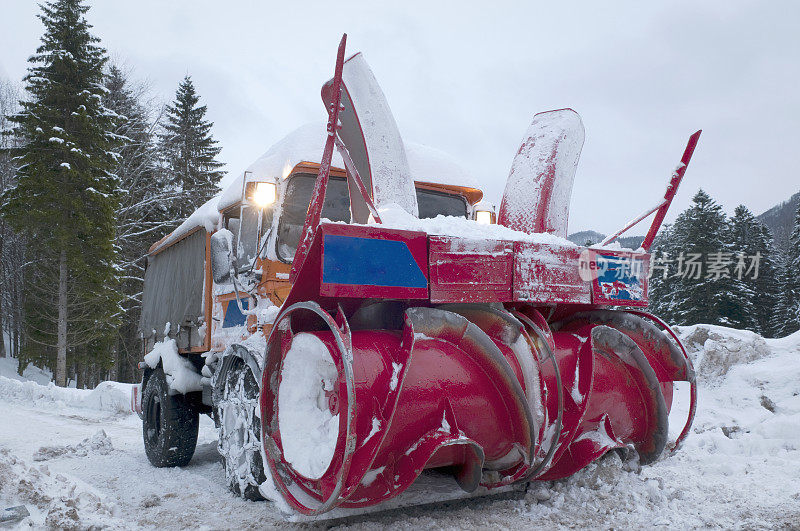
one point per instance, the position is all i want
(246, 246)
(295, 206)
(300, 186)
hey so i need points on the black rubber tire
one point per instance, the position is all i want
(239, 378)
(170, 424)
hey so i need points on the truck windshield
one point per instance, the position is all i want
(431, 203)
(295, 205)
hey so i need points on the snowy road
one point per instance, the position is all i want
(739, 468)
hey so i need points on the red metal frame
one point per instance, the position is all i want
(672, 189)
(470, 270)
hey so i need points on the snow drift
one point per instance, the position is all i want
(112, 397)
(738, 468)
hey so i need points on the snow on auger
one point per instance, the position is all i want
(346, 339)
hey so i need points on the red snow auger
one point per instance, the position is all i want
(493, 354)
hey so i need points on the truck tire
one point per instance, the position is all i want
(240, 431)
(169, 424)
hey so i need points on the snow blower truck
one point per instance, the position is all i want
(365, 335)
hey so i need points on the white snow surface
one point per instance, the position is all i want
(307, 427)
(738, 468)
(395, 217)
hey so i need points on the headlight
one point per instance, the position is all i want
(263, 194)
(485, 217)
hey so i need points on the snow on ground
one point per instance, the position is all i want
(80, 462)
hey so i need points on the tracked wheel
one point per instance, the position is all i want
(239, 441)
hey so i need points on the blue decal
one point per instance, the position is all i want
(370, 262)
(620, 278)
(234, 317)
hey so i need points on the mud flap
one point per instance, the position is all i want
(136, 400)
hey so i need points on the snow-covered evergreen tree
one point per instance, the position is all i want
(66, 194)
(662, 280)
(787, 309)
(189, 151)
(755, 266)
(704, 291)
(143, 216)
(12, 245)
(750, 273)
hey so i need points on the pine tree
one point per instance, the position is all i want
(787, 309)
(143, 216)
(755, 268)
(704, 290)
(66, 194)
(662, 280)
(11, 244)
(745, 237)
(190, 151)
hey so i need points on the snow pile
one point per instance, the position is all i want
(8, 368)
(395, 217)
(754, 407)
(99, 443)
(113, 397)
(715, 349)
(308, 429)
(432, 165)
(54, 500)
(738, 467)
(182, 377)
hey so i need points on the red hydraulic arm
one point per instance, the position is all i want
(318, 196)
(677, 176)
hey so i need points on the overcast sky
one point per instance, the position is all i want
(468, 78)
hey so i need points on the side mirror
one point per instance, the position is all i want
(222, 260)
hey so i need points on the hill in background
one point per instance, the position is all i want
(590, 237)
(780, 220)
